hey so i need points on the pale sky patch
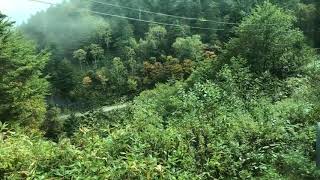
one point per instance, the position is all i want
(21, 10)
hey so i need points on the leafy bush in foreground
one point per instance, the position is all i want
(200, 132)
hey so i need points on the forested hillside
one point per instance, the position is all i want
(213, 89)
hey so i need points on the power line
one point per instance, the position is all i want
(44, 2)
(141, 20)
(159, 14)
(153, 22)
(169, 15)
(162, 14)
(134, 19)
(129, 18)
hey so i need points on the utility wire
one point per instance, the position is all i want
(153, 22)
(169, 15)
(124, 17)
(141, 20)
(134, 19)
(44, 2)
(161, 14)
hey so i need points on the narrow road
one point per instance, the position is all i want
(111, 108)
(102, 109)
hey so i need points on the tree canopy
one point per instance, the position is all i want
(22, 85)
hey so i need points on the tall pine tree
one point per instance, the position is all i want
(22, 85)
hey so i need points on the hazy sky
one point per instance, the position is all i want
(21, 10)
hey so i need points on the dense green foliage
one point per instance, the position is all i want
(278, 49)
(22, 87)
(206, 104)
(94, 40)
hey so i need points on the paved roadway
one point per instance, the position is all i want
(102, 109)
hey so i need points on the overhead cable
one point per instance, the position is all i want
(169, 15)
(161, 14)
(153, 22)
(134, 19)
